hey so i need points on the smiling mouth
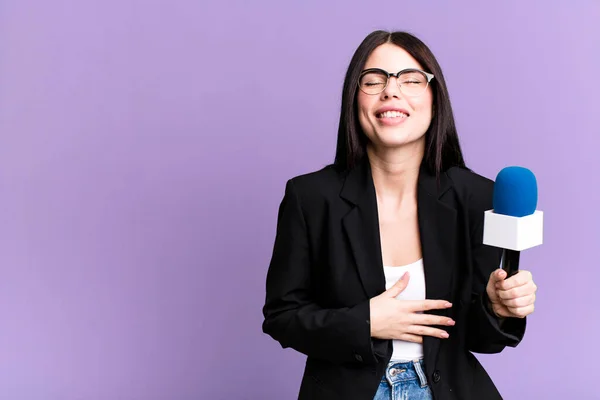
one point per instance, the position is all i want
(392, 114)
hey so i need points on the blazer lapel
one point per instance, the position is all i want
(437, 224)
(361, 225)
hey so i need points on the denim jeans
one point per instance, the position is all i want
(404, 380)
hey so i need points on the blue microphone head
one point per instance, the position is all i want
(515, 192)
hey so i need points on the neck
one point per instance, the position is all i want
(396, 171)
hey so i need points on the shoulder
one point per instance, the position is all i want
(474, 190)
(322, 183)
(313, 192)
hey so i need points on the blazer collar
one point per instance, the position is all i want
(358, 185)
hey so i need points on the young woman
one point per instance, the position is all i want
(378, 272)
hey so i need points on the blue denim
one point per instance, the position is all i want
(404, 380)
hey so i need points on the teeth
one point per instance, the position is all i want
(392, 114)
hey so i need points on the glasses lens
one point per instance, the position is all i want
(373, 82)
(412, 83)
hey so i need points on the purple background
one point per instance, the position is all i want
(144, 148)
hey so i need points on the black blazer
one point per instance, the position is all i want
(327, 264)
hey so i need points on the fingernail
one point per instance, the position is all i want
(445, 335)
(448, 304)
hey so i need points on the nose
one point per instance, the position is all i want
(392, 89)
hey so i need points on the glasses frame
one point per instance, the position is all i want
(396, 75)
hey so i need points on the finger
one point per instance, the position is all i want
(422, 330)
(425, 305)
(410, 338)
(519, 302)
(521, 312)
(498, 275)
(519, 279)
(517, 292)
(427, 319)
(399, 286)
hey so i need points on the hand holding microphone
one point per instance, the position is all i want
(513, 297)
(514, 225)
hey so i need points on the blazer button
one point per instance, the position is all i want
(358, 357)
(436, 376)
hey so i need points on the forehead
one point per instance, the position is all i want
(391, 58)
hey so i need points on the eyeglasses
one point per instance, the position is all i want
(411, 82)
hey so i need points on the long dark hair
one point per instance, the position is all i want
(442, 147)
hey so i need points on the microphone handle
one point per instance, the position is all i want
(510, 261)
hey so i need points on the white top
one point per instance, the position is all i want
(415, 290)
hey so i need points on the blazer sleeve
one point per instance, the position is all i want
(487, 333)
(291, 316)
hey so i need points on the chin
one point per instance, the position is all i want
(397, 140)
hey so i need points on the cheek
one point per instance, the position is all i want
(361, 103)
(423, 107)
(363, 108)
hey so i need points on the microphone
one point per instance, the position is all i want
(514, 224)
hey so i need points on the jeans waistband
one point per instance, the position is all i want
(405, 370)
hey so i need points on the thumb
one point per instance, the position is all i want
(399, 286)
(497, 276)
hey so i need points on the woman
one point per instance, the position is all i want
(378, 272)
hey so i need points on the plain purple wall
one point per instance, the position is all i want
(144, 148)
